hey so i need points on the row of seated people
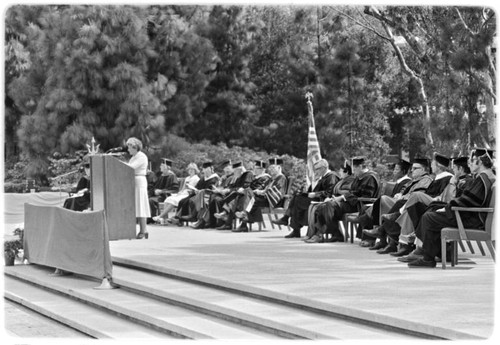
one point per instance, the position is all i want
(214, 202)
(412, 215)
(411, 229)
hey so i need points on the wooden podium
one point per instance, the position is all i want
(113, 190)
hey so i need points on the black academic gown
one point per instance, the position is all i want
(299, 205)
(80, 203)
(429, 227)
(188, 207)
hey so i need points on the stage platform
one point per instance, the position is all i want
(282, 288)
(344, 278)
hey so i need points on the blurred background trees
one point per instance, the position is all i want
(386, 80)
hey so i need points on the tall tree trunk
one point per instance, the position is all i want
(372, 11)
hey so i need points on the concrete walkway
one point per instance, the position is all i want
(339, 277)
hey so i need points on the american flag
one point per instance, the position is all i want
(313, 152)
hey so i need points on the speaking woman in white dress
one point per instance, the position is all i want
(139, 162)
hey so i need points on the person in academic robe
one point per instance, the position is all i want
(401, 179)
(330, 212)
(242, 179)
(420, 202)
(248, 207)
(390, 228)
(346, 178)
(139, 162)
(80, 201)
(239, 198)
(318, 191)
(433, 221)
(163, 187)
(172, 201)
(188, 208)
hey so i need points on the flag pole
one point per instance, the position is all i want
(313, 151)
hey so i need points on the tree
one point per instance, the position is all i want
(89, 80)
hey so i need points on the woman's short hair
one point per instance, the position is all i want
(135, 143)
(193, 166)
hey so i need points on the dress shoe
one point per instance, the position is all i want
(404, 249)
(414, 255)
(224, 227)
(198, 225)
(367, 243)
(372, 232)
(378, 245)
(390, 248)
(242, 228)
(156, 219)
(422, 263)
(294, 234)
(142, 235)
(334, 239)
(390, 216)
(315, 239)
(280, 221)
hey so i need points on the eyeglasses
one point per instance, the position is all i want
(416, 168)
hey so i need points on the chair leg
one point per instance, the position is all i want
(271, 220)
(490, 246)
(454, 253)
(462, 246)
(471, 248)
(481, 249)
(443, 250)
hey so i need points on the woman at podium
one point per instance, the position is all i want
(139, 162)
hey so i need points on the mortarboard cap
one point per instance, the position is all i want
(358, 160)
(478, 152)
(237, 165)
(275, 161)
(259, 163)
(441, 159)
(421, 160)
(461, 161)
(166, 161)
(207, 165)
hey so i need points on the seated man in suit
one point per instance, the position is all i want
(478, 194)
(163, 187)
(330, 212)
(319, 190)
(248, 206)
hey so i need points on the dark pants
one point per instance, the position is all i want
(330, 214)
(299, 206)
(429, 230)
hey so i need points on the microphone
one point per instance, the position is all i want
(117, 149)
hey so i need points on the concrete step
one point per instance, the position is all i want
(151, 313)
(82, 317)
(271, 316)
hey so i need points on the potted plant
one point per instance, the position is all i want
(11, 247)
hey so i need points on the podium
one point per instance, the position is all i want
(113, 190)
